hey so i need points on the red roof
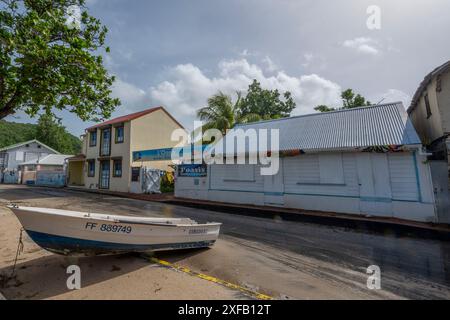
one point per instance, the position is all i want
(132, 116)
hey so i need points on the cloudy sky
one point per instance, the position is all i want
(177, 53)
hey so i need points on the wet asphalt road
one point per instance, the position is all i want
(424, 262)
(411, 268)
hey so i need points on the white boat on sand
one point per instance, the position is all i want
(80, 233)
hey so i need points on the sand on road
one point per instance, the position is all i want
(42, 275)
(251, 264)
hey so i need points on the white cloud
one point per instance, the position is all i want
(269, 64)
(364, 45)
(132, 98)
(308, 58)
(245, 53)
(392, 95)
(187, 88)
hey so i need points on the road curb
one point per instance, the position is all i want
(360, 223)
(246, 291)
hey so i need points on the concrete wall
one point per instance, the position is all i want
(428, 129)
(92, 153)
(50, 178)
(434, 127)
(443, 100)
(75, 171)
(391, 185)
(28, 177)
(151, 131)
(121, 184)
(117, 150)
(438, 125)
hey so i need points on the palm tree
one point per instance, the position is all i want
(219, 114)
(222, 114)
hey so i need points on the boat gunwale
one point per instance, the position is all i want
(111, 219)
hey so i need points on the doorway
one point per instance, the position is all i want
(105, 173)
(274, 188)
(374, 184)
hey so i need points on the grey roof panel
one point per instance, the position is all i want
(51, 160)
(381, 125)
(28, 142)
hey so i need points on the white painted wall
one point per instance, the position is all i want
(25, 153)
(391, 185)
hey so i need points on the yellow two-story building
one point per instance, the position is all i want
(106, 161)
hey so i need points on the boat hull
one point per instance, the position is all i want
(75, 233)
(83, 247)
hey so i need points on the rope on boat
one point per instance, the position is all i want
(18, 252)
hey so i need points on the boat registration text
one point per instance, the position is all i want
(108, 227)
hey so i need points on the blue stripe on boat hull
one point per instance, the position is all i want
(71, 246)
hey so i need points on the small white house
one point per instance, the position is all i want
(13, 156)
(364, 161)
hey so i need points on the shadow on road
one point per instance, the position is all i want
(46, 277)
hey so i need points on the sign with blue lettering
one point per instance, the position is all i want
(153, 155)
(166, 153)
(192, 170)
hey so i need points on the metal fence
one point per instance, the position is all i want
(10, 177)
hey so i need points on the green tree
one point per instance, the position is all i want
(222, 113)
(258, 104)
(350, 100)
(324, 108)
(50, 59)
(12, 133)
(50, 131)
(268, 104)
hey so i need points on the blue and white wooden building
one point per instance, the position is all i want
(363, 161)
(11, 157)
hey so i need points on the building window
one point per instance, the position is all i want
(306, 169)
(117, 168)
(135, 172)
(92, 138)
(119, 134)
(438, 84)
(331, 169)
(427, 106)
(239, 172)
(20, 156)
(105, 145)
(91, 168)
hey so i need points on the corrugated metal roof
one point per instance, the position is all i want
(132, 116)
(381, 125)
(50, 160)
(28, 142)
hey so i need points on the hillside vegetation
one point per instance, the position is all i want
(12, 133)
